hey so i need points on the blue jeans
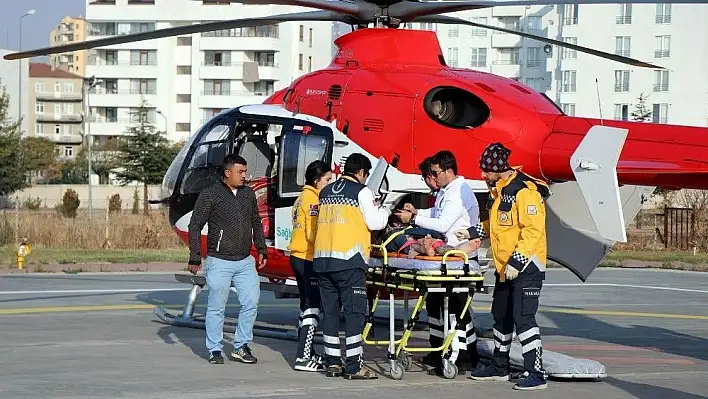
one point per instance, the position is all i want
(220, 274)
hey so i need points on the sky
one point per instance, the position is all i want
(35, 28)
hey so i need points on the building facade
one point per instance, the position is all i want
(14, 76)
(56, 108)
(69, 30)
(188, 79)
(669, 35)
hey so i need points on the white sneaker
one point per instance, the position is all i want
(308, 365)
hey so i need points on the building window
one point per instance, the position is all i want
(309, 64)
(39, 107)
(661, 80)
(302, 33)
(452, 56)
(625, 14)
(567, 53)
(622, 112)
(479, 57)
(662, 46)
(182, 127)
(533, 57)
(217, 87)
(38, 128)
(663, 14)
(69, 108)
(533, 25)
(659, 113)
(38, 87)
(453, 31)
(508, 56)
(621, 81)
(57, 87)
(143, 57)
(264, 88)
(184, 41)
(570, 14)
(479, 31)
(568, 82)
(68, 151)
(568, 109)
(184, 70)
(622, 45)
(143, 86)
(57, 129)
(184, 98)
(265, 58)
(535, 83)
(310, 38)
(217, 58)
(299, 62)
(111, 114)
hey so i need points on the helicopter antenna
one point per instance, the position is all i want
(599, 104)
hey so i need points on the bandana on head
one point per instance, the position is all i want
(495, 158)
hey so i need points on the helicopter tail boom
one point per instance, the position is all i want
(666, 156)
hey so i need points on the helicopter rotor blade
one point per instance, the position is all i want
(186, 30)
(442, 19)
(407, 10)
(343, 6)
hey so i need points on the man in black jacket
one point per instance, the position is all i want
(231, 211)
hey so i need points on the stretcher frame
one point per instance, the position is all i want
(421, 282)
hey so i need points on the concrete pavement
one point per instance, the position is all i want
(81, 336)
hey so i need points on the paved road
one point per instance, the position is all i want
(81, 336)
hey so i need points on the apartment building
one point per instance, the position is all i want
(69, 30)
(188, 79)
(56, 107)
(669, 35)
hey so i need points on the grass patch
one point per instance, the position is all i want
(658, 256)
(45, 256)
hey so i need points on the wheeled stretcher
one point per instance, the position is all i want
(389, 272)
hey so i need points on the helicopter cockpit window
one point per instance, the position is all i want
(298, 151)
(205, 165)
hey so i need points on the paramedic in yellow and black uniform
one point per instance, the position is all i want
(346, 218)
(517, 232)
(302, 248)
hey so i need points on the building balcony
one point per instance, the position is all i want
(623, 53)
(122, 70)
(661, 87)
(663, 19)
(230, 99)
(58, 96)
(242, 43)
(102, 126)
(620, 88)
(56, 117)
(64, 138)
(506, 68)
(662, 53)
(101, 97)
(510, 11)
(500, 39)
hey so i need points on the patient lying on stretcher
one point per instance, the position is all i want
(434, 246)
(419, 241)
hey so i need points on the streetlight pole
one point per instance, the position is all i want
(89, 83)
(19, 70)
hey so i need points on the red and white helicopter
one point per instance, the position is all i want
(389, 93)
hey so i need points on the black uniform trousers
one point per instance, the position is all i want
(464, 345)
(345, 290)
(515, 304)
(309, 291)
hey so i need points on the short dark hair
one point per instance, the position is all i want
(356, 162)
(231, 160)
(425, 167)
(446, 160)
(314, 171)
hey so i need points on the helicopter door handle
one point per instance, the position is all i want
(160, 201)
(340, 143)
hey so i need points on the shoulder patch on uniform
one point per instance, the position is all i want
(531, 210)
(314, 210)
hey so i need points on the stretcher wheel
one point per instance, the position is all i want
(397, 370)
(449, 369)
(406, 360)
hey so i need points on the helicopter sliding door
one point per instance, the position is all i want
(299, 146)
